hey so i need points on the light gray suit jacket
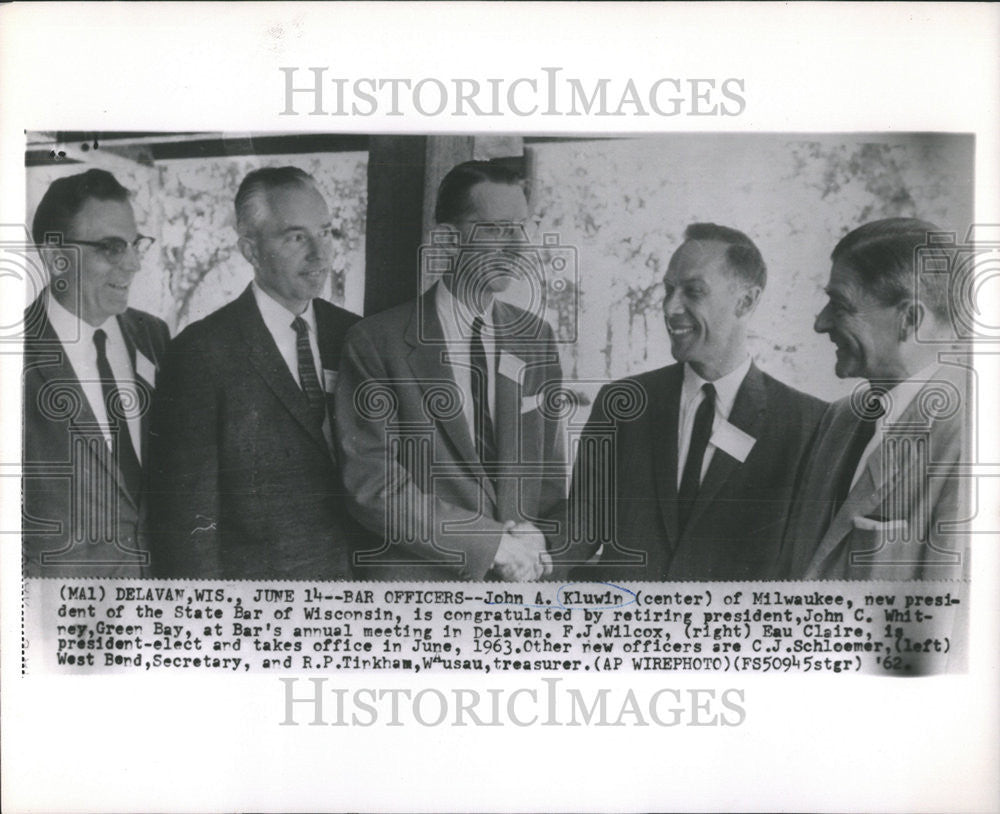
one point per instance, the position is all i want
(407, 454)
(902, 518)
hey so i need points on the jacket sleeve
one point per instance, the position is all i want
(381, 492)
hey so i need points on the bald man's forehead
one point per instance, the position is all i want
(697, 255)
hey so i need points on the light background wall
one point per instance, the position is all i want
(622, 204)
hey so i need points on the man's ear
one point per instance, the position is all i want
(59, 260)
(248, 249)
(911, 316)
(449, 232)
(747, 302)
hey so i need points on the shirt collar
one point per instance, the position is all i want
(901, 396)
(68, 326)
(456, 319)
(276, 317)
(726, 387)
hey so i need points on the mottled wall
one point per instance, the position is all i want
(622, 204)
(195, 265)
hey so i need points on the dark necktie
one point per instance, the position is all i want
(485, 440)
(121, 440)
(701, 432)
(307, 371)
(871, 410)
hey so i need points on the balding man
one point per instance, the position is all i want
(699, 480)
(244, 482)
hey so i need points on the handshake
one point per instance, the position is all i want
(522, 555)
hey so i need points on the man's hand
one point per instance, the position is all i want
(521, 556)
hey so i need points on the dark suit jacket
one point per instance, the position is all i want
(902, 518)
(243, 484)
(409, 462)
(734, 532)
(65, 455)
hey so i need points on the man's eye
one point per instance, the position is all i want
(113, 245)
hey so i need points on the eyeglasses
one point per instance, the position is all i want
(507, 231)
(114, 248)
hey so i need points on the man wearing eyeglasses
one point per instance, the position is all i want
(90, 365)
(447, 454)
(244, 482)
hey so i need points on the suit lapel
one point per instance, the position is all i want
(507, 419)
(663, 434)
(130, 334)
(747, 414)
(863, 499)
(270, 366)
(425, 337)
(49, 361)
(873, 485)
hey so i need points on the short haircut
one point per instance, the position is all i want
(453, 193)
(742, 255)
(65, 197)
(883, 256)
(250, 204)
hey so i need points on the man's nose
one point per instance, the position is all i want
(131, 261)
(320, 247)
(823, 322)
(672, 304)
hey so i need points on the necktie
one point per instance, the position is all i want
(121, 440)
(872, 409)
(307, 371)
(691, 478)
(485, 440)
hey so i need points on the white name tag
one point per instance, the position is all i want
(144, 368)
(732, 440)
(510, 366)
(329, 380)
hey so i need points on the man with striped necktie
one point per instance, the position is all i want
(245, 483)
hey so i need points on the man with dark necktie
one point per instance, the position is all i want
(698, 480)
(880, 496)
(245, 483)
(89, 370)
(446, 452)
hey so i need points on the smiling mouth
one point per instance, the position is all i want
(119, 286)
(680, 330)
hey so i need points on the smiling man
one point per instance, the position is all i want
(244, 482)
(699, 482)
(447, 454)
(880, 497)
(89, 370)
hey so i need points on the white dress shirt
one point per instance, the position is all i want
(77, 339)
(278, 321)
(726, 389)
(456, 323)
(895, 403)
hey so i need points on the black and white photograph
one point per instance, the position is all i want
(600, 408)
(429, 407)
